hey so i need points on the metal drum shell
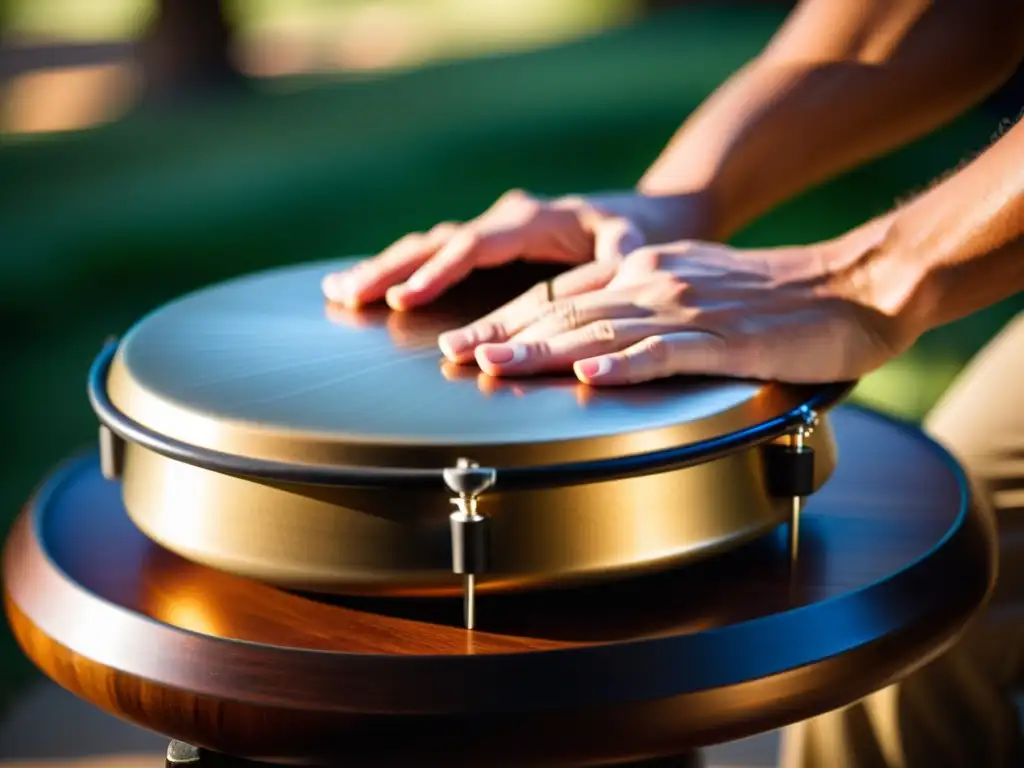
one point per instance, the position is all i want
(258, 369)
(395, 542)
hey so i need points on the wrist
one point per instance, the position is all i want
(882, 274)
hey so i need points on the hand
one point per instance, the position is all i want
(804, 314)
(568, 230)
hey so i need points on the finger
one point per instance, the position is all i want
(449, 265)
(564, 315)
(368, 280)
(503, 323)
(499, 235)
(658, 356)
(560, 352)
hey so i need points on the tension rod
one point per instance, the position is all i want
(469, 529)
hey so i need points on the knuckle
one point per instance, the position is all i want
(518, 203)
(668, 294)
(739, 351)
(645, 259)
(514, 196)
(656, 349)
(488, 331)
(538, 349)
(675, 289)
(602, 330)
(633, 369)
(564, 314)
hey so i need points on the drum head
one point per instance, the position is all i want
(263, 367)
(263, 371)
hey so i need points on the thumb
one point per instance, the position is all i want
(615, 237)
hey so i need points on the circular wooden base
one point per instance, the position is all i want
(894, 561)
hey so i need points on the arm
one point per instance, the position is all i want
(831, 311)
(956, 249)
(843, 81)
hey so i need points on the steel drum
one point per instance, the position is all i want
(264, 432)
(280, 480)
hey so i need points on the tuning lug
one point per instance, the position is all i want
(470, 531)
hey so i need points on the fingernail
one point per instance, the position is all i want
(393, 296)
(336, 287)
(503, 354)
(455, 343)
(593, 368)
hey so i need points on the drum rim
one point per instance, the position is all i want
(631, 670)
(508, 478)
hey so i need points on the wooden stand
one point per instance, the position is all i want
(894, 561)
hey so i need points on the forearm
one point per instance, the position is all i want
(956, 249)
(842, 82)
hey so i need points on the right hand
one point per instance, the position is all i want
(568, 230)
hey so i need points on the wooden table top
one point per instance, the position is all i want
(894, 562)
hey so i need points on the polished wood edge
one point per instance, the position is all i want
(597, 675)
(227, 725)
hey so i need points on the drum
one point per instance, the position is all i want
(259, 559)
(894, 561)
(261, 432)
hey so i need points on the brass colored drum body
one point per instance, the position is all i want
(261, 368)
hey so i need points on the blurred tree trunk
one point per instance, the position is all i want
(187, 52)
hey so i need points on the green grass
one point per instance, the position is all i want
(100, 226)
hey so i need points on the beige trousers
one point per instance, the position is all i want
(957, 712)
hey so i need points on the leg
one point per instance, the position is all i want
(956, 711)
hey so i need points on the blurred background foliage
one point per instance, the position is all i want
(148, 148)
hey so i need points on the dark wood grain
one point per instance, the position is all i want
(894, 562)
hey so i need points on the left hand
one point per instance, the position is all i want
(801, 314)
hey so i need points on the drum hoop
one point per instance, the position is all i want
(507, 478)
